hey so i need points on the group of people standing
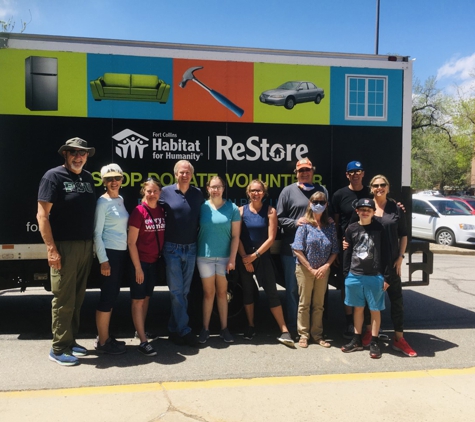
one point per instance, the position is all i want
(176, 227)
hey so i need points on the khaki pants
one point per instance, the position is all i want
(69, 287)
(311, 298)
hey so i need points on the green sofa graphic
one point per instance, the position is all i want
(127, 87)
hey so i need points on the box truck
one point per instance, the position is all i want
(242, 113)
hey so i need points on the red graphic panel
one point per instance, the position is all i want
(218, 91)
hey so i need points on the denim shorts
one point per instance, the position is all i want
(360, 289)
(209, 267)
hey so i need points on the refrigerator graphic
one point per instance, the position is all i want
(41, 83)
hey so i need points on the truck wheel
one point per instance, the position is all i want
(318, 98)
(445, 237)
(289, 103)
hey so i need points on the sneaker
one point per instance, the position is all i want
(250, 332)
(114, 340)
(204, 336)
(176, 339)
(352, 346)
(150, 336)
(374, 350)
(401, 345)
(366, 338)
(78, 350)
(64, 359)
(110, 347)
(190, 339)
(226, 336)
(349, 332)
(146, 349)
(286, 339)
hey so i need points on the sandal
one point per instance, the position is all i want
(303, 342)
(323, 343)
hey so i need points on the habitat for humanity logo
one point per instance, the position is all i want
(130, 143)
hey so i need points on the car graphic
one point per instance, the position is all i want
(292, 93)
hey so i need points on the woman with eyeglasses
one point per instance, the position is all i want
(391, 216)
(110, 238)
(316, 247)
(218, 241)
(145, 241)
(258, 231)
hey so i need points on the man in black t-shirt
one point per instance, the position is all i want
(343, 202)
(66, 205)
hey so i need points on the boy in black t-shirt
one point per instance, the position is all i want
(366, 269)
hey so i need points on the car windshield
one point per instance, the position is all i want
(449, 207)
(289, 85)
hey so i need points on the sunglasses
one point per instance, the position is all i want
(112, 178)
(381, 185)
(304, 170)
(319, 202)
(353, 172)
(77, 152)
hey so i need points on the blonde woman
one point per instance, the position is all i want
(391, 216)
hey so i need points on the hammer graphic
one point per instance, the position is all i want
(188, 76)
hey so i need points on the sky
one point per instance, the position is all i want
(439, 35)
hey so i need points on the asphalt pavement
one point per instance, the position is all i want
(429, 393)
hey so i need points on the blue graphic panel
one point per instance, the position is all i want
(366, 97)
(125, 87)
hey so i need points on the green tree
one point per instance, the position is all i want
(441, 150)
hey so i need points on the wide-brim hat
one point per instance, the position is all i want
(77, 143)
(111, 170)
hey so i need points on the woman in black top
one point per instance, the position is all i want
(393, 220)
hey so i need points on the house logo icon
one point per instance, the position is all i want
(130, 144)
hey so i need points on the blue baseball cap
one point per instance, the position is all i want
(354, 165)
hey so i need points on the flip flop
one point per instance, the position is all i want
(323, 343)
(303, 343)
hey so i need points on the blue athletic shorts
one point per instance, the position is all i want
(209, 267)
(360, 289)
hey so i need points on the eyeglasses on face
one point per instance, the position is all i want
(219, 187)
(319, 202)
(77, 152)
(112, 178)
(256, 191)
(380, 185)
(304, 170)
(353, 172)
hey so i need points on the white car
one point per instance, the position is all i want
(441, 219)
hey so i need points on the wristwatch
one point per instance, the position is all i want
(402, 256)
(258, 255)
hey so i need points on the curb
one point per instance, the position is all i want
(450, 250)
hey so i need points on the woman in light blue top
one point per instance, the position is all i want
(110, 239)
(218, 241)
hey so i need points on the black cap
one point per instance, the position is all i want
(365, 202)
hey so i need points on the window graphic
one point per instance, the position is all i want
(366, 97)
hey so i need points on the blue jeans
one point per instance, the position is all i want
(291, 291)
(180, 264)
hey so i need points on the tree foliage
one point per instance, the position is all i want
(9, 25)
(443, 129)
